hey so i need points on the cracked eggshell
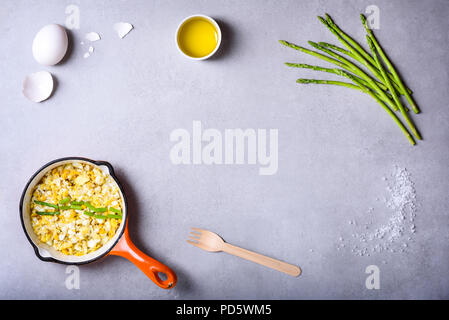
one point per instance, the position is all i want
(93, 36)
(38, 86)
(123, 28)
(50, 44)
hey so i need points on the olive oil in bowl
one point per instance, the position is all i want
(198, 37)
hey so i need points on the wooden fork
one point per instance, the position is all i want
(212, 242)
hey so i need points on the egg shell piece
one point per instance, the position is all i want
(38, 86)
(123, 28)
(50, 44)
(93, 36)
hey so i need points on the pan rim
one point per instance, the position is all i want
(97, 163)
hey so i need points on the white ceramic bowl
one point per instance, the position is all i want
(213, 22)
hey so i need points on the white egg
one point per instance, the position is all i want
(50, 44)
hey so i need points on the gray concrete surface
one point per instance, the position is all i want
(335, 145)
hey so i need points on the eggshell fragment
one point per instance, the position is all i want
(93, 36)
(38, 86)
(50, 44)
(123, 28)
(89, 52)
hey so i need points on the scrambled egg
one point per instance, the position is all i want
(72, 232)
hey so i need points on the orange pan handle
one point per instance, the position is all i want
(151, 267)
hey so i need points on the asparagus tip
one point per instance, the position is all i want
(362, 17)
(417, 134)
(306, 81)
(328, 17)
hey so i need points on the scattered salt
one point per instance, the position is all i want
(387, 237)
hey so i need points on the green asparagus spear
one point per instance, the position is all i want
(332, 82)
(337, 48)
(365, 89)
(88, 213)
(384, 75)
(385, 107)
(385, 91)
(393, 92)
(342, 63)
(47, 213)
(316, 68)
(353, 56)
(348, 40)
(358, 53)
(114, 216)
(358, 72)
(313, 53)
(46, 204)
(338, 83)
(338, 63)
(115, 210)
(94, 209)
(389, 65)
(64, 201)
(334, 71)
